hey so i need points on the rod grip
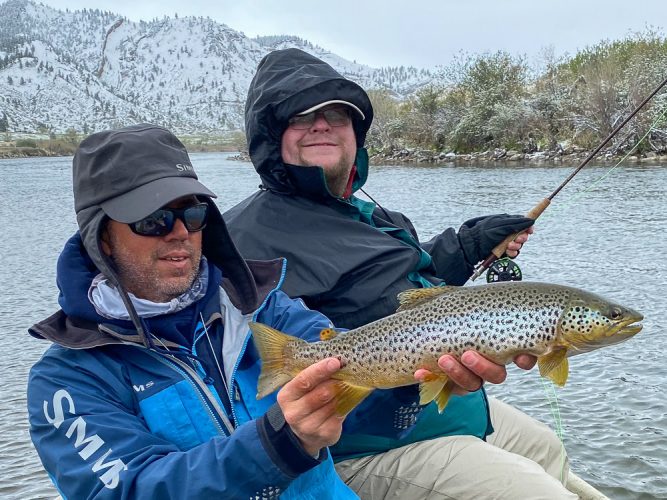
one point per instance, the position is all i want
(500, 248)
(534, 213)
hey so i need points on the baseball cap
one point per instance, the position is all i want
(132, 171)
(335, 101)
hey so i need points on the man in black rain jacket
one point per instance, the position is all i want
(306, 126)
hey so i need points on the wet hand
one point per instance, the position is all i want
(307, 402)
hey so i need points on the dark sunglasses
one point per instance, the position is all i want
(335, 117)
(161, 222)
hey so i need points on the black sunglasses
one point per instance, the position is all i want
(335, 117)
(161, 222)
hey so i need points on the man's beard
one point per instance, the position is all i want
(338, 175)
(144, 282)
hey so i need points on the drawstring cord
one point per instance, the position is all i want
(215, 357)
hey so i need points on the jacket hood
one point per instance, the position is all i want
(288, 82)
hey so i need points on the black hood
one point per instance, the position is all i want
(286, 83)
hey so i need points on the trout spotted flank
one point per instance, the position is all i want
(498, 320)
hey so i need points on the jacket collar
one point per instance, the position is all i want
(79, 332)
(311, 181)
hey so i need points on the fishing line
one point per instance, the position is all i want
(535, 212)
(548, 386)
(576, 196)
(552, 398)
(215, 357)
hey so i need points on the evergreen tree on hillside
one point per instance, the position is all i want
(4, 123)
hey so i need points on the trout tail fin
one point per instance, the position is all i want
(271, 345)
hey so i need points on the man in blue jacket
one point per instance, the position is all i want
(148, 390)
(306, 125)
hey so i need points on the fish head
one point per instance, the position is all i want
(590, 322)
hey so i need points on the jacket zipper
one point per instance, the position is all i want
(207, 397)
(217, 414)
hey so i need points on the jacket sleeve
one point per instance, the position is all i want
(448, 258)
(93, 442)
(445, 250)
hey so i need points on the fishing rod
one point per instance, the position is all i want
(538, 209)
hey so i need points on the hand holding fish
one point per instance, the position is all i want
(473, 370)
(309, 407)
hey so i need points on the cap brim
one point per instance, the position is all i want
(335, 101)
(144, 200)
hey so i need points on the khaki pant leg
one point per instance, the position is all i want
(518, 433)
(453, 467)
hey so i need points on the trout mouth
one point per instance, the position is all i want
(630, 326)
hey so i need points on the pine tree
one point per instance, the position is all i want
(4, 123)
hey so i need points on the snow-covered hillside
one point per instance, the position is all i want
(89, 70)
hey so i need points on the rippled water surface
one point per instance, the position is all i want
(609, 240)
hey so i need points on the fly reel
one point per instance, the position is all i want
(504, 269)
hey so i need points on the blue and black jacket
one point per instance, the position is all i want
(113, 418)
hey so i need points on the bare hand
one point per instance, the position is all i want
(307, 402)
(525, 361)
(514, 247)
(470, 373)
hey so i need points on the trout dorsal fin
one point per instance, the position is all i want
(418, 296)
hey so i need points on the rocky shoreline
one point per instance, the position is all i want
(566, 156)
(27, 152)
(572, 156)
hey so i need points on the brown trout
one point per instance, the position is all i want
(498, 320)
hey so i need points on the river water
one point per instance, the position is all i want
(606, 236)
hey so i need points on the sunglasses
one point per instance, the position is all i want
(161, 222)
(335, 117)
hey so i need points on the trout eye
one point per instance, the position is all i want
(616, 313)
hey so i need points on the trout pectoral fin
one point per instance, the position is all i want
(431, 388)
(417, 296)
(328, 334)
(555, 366)
(348, 396)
